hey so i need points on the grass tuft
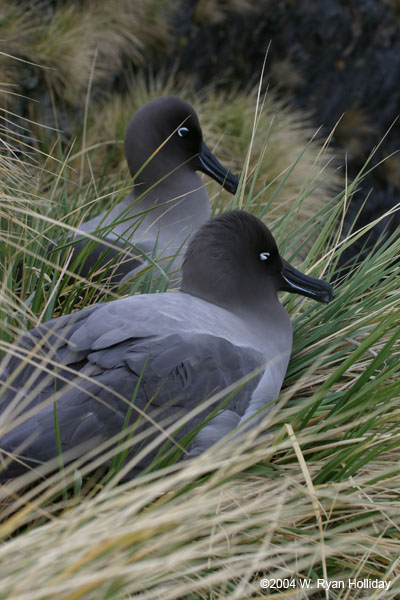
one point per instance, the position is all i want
(59, 43)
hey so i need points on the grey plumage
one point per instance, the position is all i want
(181, 347)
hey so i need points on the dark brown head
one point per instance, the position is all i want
(168, 130)
(233, 260)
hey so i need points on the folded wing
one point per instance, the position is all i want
(102, 381)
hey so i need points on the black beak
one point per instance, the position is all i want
(209, 165)
(298, 283)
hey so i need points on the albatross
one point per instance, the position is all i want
(144, 361)
(164, 149)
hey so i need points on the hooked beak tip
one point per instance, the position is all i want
(297, 282)
(231, 183)
(327, 295)
(213, 168)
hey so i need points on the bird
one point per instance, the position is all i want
(164, 149)
(146, 360)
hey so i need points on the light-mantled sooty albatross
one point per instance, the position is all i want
(164, 149)
(147, 360)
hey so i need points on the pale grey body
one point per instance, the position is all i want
(161, 222)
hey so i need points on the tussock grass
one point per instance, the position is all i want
(215, 538)
(318, 500)
(67, 43)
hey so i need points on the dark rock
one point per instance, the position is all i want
(339, 57)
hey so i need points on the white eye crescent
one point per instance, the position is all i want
(264, 255)
(182, 131)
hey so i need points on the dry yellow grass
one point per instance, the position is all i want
(68, 44)
(163, 538)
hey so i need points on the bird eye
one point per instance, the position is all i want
(264, 255)
(182, 131)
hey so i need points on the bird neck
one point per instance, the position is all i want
(240, 294)
(268, 321)
(181, 196)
